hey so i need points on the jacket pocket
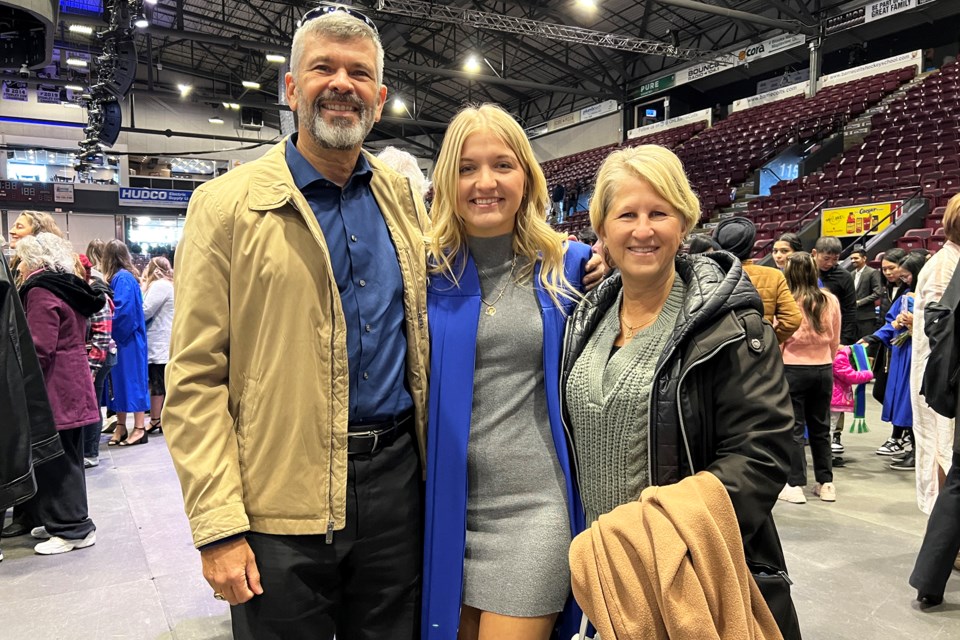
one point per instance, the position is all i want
(245, 416)
(774, 586)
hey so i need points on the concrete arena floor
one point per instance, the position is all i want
(849, 560)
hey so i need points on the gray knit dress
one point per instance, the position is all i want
(608, 399)
(518, 529)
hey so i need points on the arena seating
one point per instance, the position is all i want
(912, 146)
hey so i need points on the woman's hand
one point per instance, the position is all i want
(596, 271)
(906, 319)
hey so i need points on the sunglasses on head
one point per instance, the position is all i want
(323, 10)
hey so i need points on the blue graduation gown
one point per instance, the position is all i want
(129, 377)
(896, 398)
(454, 314)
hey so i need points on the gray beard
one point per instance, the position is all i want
(341, 134)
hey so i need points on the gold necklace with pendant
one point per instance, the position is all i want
(632, 331)
(491, 309)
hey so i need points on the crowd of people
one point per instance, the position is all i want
(94, 325)
(631, 413)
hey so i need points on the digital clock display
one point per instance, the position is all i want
(14, 191)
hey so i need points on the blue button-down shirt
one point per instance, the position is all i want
(371, 287)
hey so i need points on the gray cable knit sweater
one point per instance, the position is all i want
(608, 398)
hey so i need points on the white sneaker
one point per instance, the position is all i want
(109, 424)
(40, 533)
(89, 463)
(56, 544)
(792, 494)
(826, 491)
(890, 448)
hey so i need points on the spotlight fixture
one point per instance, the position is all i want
(472, 64)
(398, 106)
(215, 120)
(149, 1)
(185, 89)
(587, 4)
(276, 57)
(76, 62)
(82, 29)
(250, 84)
(140, 21)
(231, 105)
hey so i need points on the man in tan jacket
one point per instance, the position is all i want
(296, 400)
(736, 235)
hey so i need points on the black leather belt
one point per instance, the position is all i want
(371, 438)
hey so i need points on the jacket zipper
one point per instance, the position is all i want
(697, 363)
(563, 422)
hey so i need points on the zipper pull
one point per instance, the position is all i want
(329, 538)
(783, 574)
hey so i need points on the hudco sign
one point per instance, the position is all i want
(167, 198)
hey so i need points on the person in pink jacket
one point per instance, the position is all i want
(845, 376)
(808, 367)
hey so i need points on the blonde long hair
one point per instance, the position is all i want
(157, 269)
(533, 238)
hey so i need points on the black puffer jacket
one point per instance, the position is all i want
(27, 433)
(719, 403)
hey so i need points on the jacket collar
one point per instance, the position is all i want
(272, 185)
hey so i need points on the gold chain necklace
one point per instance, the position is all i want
(632, 331)
(491, 306)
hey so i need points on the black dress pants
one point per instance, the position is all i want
(942, 540)
(811, 390)
(365, 584)
(61, 501)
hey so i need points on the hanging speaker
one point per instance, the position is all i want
(125, 69)
(251, 118)
(112, 121)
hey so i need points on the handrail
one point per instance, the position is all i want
(858, 241)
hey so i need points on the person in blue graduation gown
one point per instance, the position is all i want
(501, 498)
(127, 390)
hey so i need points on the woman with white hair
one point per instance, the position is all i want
(57, 304)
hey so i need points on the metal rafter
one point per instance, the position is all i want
(535, 28)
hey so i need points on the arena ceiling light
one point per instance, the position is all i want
(398, 105)
(276, 57)
(184, 89)
(231, 105)
(77, 62)
(250, 84)
(140, 21)
(74, 87)
(587, 4)
(472, 64)
(82, 29)
(215, 120)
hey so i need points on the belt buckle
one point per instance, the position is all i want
(376, 439)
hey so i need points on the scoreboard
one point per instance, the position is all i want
(15, 191)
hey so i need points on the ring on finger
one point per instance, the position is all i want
(218, 596)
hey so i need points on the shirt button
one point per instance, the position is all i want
(365, 375)
(353, 238)
(363, 283)
(367, 328)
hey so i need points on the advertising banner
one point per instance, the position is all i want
(16, 91)
(63, 193)
(912, 58)
(704, 115)
(798, 89)
(769, 47)
(887, 8)
(560, 122)
(167, 198)
(841, 222)
(597, 110)
(787, 79)
(656, 86)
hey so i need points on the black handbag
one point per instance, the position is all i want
(942, 373)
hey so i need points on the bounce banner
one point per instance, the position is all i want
(854, 221)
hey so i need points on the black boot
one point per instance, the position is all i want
(908, 463)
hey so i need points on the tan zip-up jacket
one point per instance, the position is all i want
(257, 385)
